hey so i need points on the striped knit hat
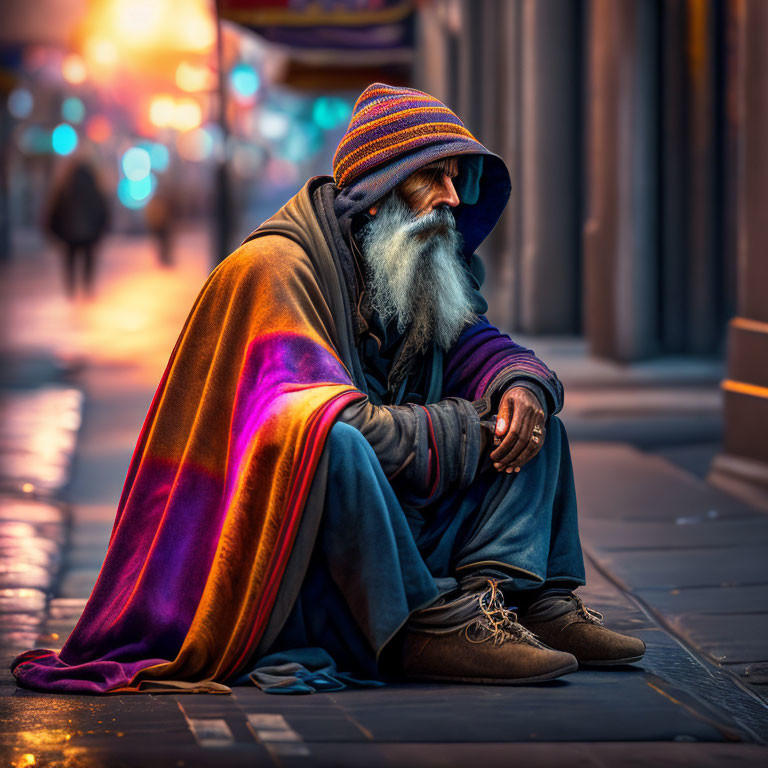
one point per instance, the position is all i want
(387, 122)
(394, 131)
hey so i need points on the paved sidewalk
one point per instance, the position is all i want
(658, 559)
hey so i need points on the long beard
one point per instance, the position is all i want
(415, 273)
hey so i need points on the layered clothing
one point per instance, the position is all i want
(224, 494)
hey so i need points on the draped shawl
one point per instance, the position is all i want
(223, 495)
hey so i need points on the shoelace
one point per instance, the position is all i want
(497, 623)
(592, 616)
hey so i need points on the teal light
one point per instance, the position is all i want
(136, 194)
(64, 139)
(159, 157)
(35, 140)
(330, 112)
(136, 163)
(244, 80)
(303, 141)
(73, 110)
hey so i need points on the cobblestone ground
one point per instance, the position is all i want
(669, 559)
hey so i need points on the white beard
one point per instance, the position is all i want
(415, 272)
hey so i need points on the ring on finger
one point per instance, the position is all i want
(537, 430)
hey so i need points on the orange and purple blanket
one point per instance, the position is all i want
(216, 487)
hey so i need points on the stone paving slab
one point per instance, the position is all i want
(682, 547)
(718, 601)
(684, 532)
(677, 569)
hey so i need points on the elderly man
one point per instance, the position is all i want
(347, 473)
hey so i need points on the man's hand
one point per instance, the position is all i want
(520, 413)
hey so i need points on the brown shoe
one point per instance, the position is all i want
(489, 646)
(565, 623)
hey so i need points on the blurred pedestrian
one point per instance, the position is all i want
(78, 215)
(160, 213)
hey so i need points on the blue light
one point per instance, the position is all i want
(136, 163)
(20, 103)
(64, 139)
(159, 157)
(330, 112)
(136, 194)
(244, 80)
(73, 110)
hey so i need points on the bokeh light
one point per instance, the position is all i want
(101, 51)
(20, 103)
(187, 115)
(330, 112)
(35, 140)
(159, 157)
(73, 110)
(98, 129)
(136, 194)
(193, 78)
(244, 81)
(136, 163)
(64, 139)
(273, 125)
(161, 110)
(73, 69)
(302, 141)
(138, 20)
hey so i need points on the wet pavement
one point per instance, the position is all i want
(669, 559)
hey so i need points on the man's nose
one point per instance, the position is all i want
(447, 194)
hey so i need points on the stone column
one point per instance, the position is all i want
(549, 155)
(742, 467)
(621, 229)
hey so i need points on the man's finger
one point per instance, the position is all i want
(512, 437)
(524, 435)
(530, 451)
(504, 415)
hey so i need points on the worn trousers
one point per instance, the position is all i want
(377, 561)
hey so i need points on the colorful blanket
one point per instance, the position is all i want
(215, 490)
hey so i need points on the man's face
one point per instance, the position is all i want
(430, 186)
(414, 258)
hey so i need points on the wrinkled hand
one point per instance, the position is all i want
(519, 412)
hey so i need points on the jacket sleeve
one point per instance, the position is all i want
(425, 451)
(483, 363)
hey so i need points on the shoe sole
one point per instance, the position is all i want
(497, 680)
(612, 662)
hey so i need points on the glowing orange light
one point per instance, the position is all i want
(73, 69)
(193, 78)
(28, 759)
(162, 111)
(197, 31)
(27, 488)
(137, 20)
(101, 51)
(187, 115)
(98, 129)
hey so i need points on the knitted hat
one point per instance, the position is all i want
(392, 133)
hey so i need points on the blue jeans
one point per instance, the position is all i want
(377, 561)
